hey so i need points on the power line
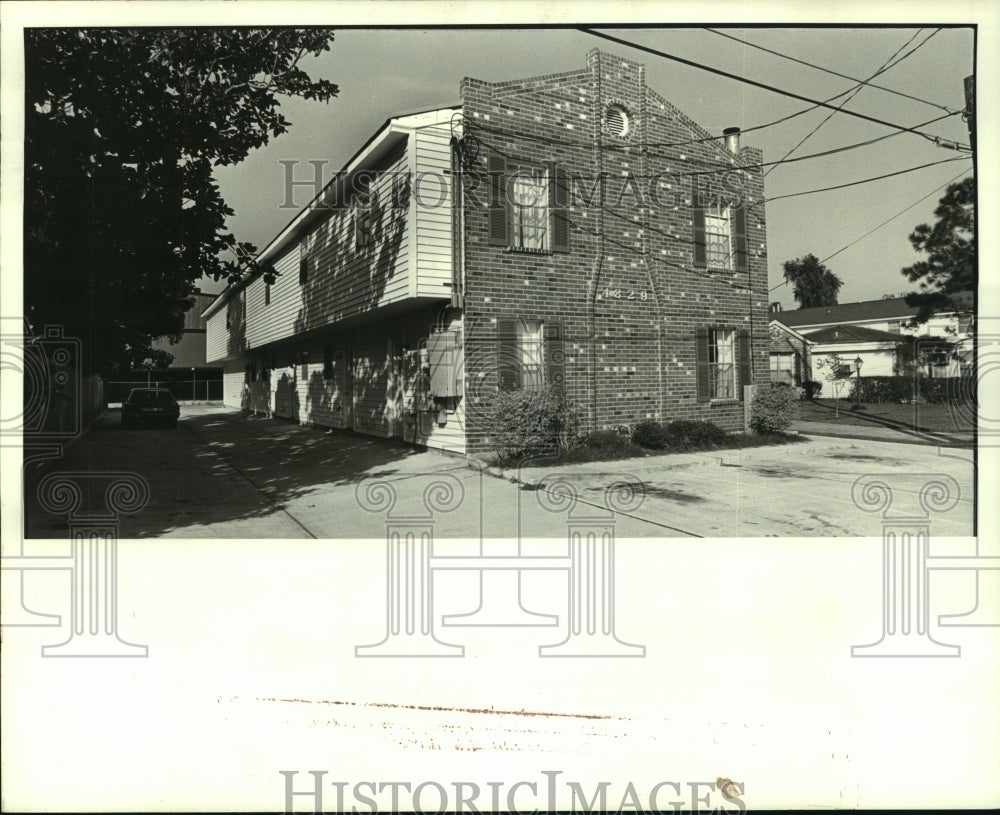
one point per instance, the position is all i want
(646, 226)
(754, 83)
(861, 181)
(869, 83)
(894, 217)
(855, 91)
(715, 168)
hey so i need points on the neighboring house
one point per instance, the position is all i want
(882, 333)
(881, 353)
(790, 352)
(189, 375)
(572, 230)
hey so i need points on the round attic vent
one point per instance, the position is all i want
(616, 120)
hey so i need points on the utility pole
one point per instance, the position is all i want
(969, 114)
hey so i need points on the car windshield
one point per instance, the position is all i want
(151, 396)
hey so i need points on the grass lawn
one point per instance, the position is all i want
(943, 418)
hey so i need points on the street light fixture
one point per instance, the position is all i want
(858, 362)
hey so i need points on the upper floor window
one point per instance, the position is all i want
(529, 211)
(528, 206)
(720, 234)
(718, 238)
(894, 326)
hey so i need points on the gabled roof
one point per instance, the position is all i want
(893, 308)
(774, 322)
(854, 333)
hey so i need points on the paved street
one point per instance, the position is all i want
(223, 475)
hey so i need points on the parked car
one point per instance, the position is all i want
(150, 405)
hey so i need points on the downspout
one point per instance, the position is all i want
(644, 169)
(457, 227)
(595, 272)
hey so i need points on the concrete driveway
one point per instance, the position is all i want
(224, 475)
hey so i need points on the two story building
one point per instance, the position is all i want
(573, 231)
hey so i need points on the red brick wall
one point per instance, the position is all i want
(632, 356)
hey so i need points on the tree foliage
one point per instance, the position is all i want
(950, 245)
(814, 284)
(123, 128)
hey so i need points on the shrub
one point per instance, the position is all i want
(680, 435)
(772, 410)
(604, 445)
(650, 434)
(685, 434)
(900, 389)
(881, 389)
(604, 438)
(528, 423)
(811, 387)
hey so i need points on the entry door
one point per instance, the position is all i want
(395, 388)
(348, 387)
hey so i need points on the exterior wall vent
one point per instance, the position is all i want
(617, 121)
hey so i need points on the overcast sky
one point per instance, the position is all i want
(384, 72)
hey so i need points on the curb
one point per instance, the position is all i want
(920, 441)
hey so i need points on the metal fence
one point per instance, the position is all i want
(188, 390)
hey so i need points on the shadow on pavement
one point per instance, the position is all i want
(223, 468)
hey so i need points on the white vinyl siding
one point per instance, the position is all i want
(433, 212)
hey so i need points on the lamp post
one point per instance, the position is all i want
(858, 362)
(194, 393)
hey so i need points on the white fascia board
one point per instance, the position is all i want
(387, 137)
(789, 330)
(841, 345)
(384, 138)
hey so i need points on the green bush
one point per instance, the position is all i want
(685, 434)
(604, 445)
(680, 435)
(812, 388)
(529, 424)
(604, 439)
(900, 389)
(773, 410)
(650, 434)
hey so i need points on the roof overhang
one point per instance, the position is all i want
(390, 135)
(789, 330)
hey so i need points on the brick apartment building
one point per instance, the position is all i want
(573, 230)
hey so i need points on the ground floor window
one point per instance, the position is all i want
(520, 357)
(723, 363)
(782, 367)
